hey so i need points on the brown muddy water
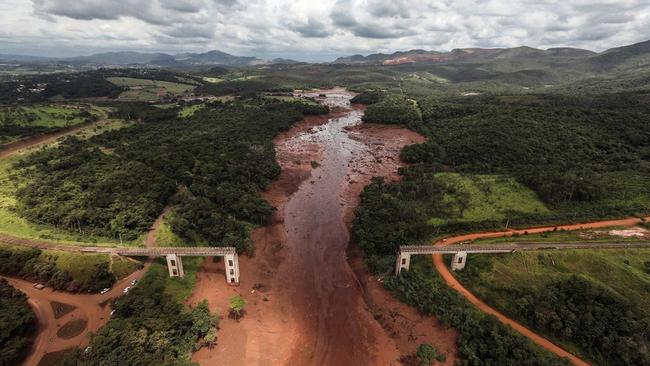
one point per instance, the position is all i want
(306, 304)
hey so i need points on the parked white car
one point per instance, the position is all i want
(135, 280)
(105, 290)
(126, 290)
(38, 286)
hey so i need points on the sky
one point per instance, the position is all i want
(314, 30)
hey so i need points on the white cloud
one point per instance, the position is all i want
(310, 30)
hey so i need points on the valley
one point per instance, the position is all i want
(314, 175)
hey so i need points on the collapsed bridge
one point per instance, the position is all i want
(460, 251)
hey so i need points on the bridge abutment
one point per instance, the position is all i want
(403, 262)
(459, 260)
(175, 265)
(231, 262)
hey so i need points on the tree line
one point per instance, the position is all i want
(18, 325)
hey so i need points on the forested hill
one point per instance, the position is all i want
(117, 183)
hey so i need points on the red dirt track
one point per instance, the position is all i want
(88, 307)
(453, 282)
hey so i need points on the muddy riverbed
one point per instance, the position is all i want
(309, 304)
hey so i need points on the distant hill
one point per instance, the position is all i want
(621, 58)
(130, 58)
(463, 55)
(122, 58)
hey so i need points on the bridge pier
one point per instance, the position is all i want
(231, 262)
(459, 260)
(403, 262)
(175, 265)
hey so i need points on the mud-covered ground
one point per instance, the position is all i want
(309, 304)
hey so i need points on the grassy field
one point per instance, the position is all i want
(12, 224)
(49, 115)
(178, 288)
(81, 266)
(213, 80)
(122, 267)
(23, 121)
(188, 111)
(146, 90)
(621, 271)
(167, 238)
(487, 197)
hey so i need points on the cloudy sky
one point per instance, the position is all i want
(314, 30)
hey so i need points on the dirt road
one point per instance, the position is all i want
(15, 147)
(453, 282)
(94, 308)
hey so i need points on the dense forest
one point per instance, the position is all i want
(17, 325)
(483, 340)
(583, 157)
(605, 326)
(149, 328)
(116, 184)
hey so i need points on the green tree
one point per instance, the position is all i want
(237, 304)
(426, 353)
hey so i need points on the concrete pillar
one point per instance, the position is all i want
(458, 262)
(175, 266)
(403, 262)
(231, 262)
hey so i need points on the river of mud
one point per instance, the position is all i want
(307, 306)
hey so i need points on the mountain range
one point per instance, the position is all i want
(130, 58)
(636, 55)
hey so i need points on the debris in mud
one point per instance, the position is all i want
(259, 287)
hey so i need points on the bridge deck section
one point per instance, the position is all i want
(515, 247)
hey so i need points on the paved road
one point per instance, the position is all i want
(453, 282)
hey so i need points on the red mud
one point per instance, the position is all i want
(306, 305)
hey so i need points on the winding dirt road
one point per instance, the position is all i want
(455, 284)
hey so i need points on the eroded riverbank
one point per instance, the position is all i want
(306, 305)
